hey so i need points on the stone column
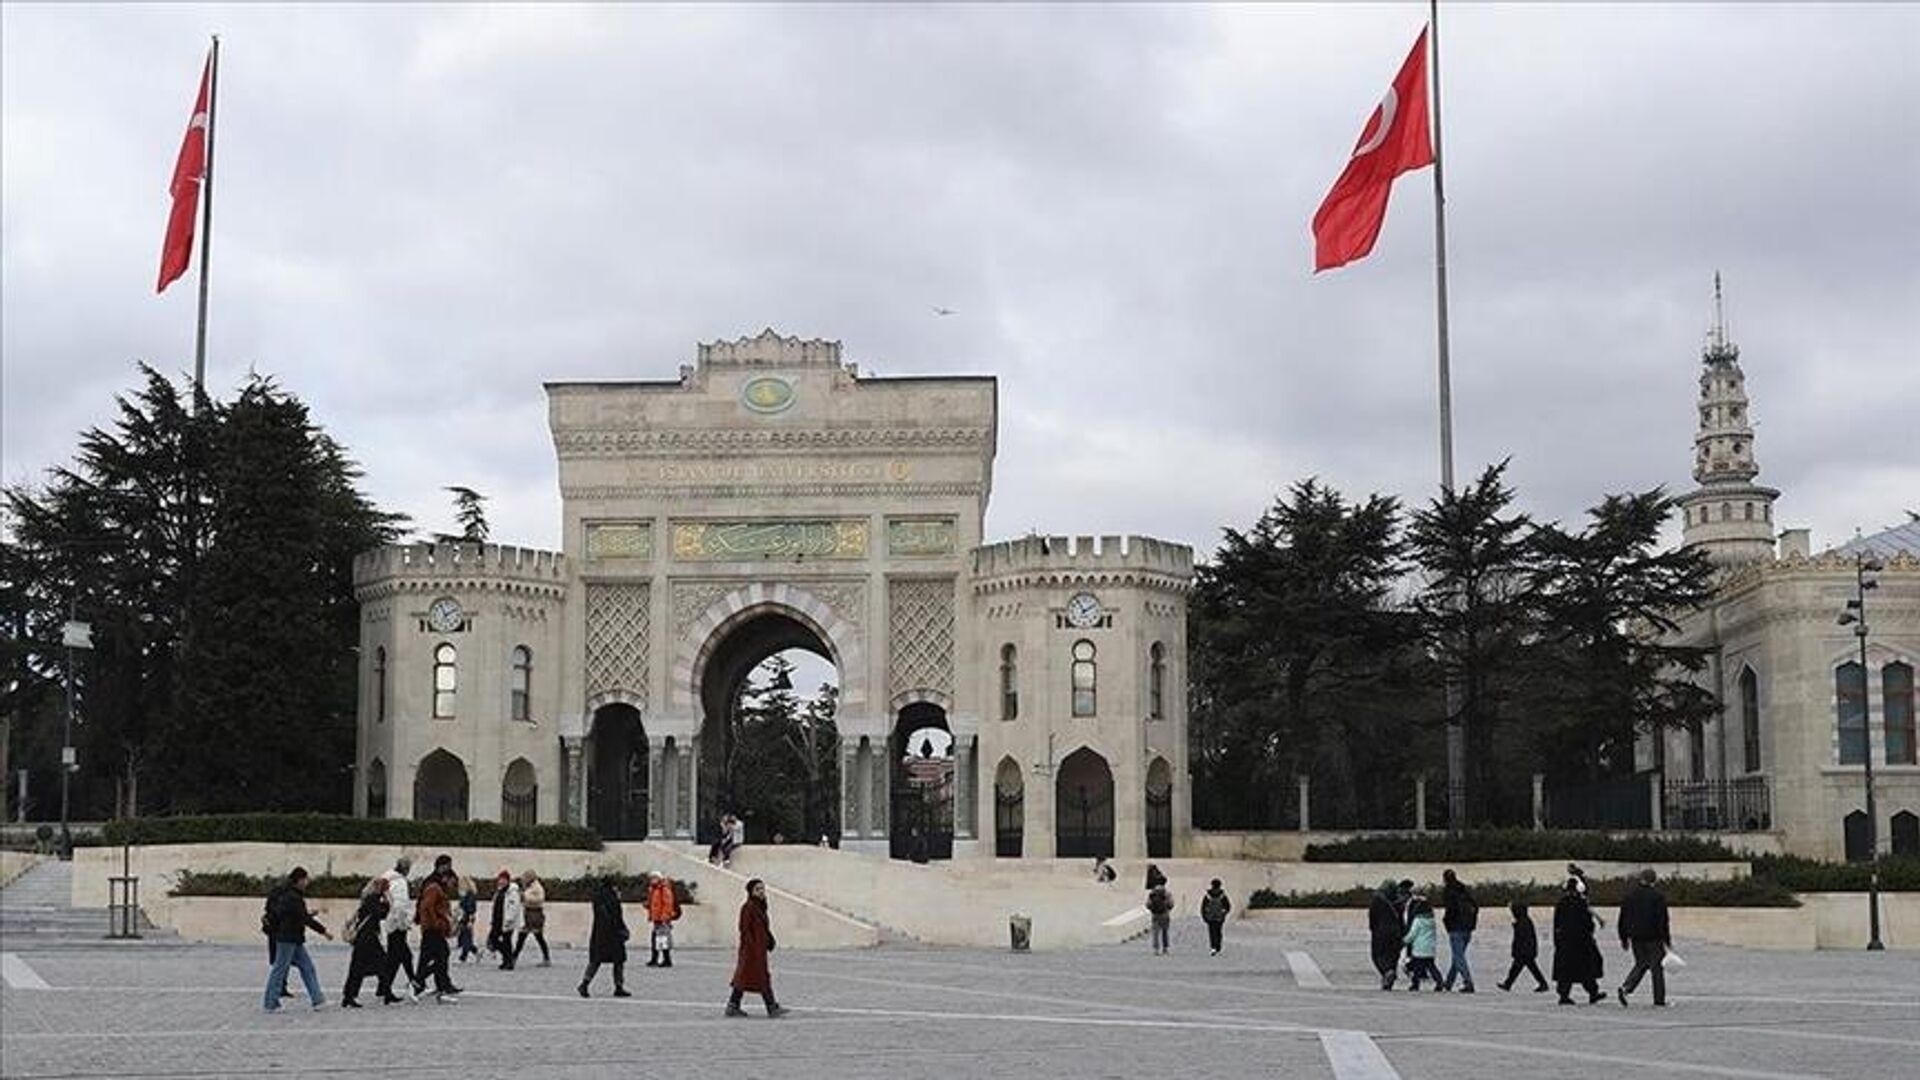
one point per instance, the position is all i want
(1306, 812)
(964, 824)
(690, 791)
(576, 794)
(850, 823)
(1655, 802)
(657, 786)
(683, 764)
(1539, 801)
(1420, 803)
(879, 772)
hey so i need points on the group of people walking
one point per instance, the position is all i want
(1400, 921)
(1214, 907)
(382, 924)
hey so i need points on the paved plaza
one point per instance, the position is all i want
(1273, 1004)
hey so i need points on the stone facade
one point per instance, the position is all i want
(771, 497)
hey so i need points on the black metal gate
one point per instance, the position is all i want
(1084, 823)
(1160, 823)
(1009, 821)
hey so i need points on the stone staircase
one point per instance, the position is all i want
(37, 912)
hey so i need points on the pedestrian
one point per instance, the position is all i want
(1213, 911)
(1387, 927)
(1526, 949)
(508, 914)
(435, 915)
(663, 909)
(1421, 941)
(291, 921)
(267, 915)
(1576, 959)
(469, 910)
(1462, 915)
(1160, 908)
(398, 925)
(1155, 878)
(367, 934)
(533, 893)
(1103, 871)
(607, 944)
(756, 942)
(1644, 929)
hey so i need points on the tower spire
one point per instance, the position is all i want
(1719, 344)
(1729, 514)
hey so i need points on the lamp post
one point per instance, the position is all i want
(1855, 615)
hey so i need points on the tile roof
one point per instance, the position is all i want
(1899, 540)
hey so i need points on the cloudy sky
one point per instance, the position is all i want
(422, 213)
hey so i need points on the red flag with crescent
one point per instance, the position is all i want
(1395, 140)
(189, 172)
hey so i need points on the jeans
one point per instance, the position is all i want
(1459, 940)
(1648, 956)
(286, 954)
(1160, 936)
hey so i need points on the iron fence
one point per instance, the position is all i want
(1741, 805)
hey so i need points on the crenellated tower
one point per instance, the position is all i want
(1728, 515)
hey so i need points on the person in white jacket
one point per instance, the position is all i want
(398, 922)
(508, 916)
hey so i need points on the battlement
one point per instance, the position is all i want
(429, 560)
(1081, 554)
(770, 349)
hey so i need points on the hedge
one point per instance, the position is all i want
(1898, 873)
(1492, 896)
(1507, 845)
(633, 887)
(342, 829)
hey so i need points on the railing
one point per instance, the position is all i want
(1742, 805)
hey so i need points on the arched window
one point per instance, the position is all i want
(446, 681)
(1906, 833)
(1750, 719)
(1749, 511)
(379, 685)
(1009, 683)
(1896, 690)
(519, 794)
(376, 789)
(1854, 833)
(522, 682)
(1083, 678)
(1697, 752)
(1850, 701)
(1156, 682)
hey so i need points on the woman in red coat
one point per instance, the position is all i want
(756, 941)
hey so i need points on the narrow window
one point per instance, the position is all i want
(380, 685)
(1896, 689)
(1156, 681)
(1750, 719)
(522, 682)
(1854, 831)
(1009, 683)
(446, 681)
(1749, 511)
(1697, 753)
(1084, 678)
(1850, 700)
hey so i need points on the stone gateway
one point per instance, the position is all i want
(772, 498)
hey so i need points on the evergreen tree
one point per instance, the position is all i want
(470, 513)
(786, 756)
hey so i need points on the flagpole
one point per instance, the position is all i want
(206, 229)
(1457, 811)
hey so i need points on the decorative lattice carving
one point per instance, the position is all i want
(920, 635)
(619, 626)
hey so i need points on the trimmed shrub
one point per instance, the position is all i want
(1494, 895)
(342, 829)
(633, 887)
(1509, 845)
(1898, 873)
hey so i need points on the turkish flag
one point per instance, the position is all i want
(189, 172)
(1395, 140)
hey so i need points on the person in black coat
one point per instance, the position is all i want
(1526, 950)
(290, 921)
(1155, 878)
(1461, 919)
(1644, 929)
(369, 942)
(608, 942)
(1387, 926)
(1576, 959)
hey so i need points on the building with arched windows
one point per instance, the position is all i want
(770, 498)
(1801, 713)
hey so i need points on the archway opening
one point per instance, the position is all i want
(520, 794)
(1083, 807)
(922, 784)
(440, 788)
(617, 773)
(1009, 809)
(1159, 810)
(769, 748)
(377, 789)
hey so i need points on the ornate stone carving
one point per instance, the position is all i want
(692, 598)
(713, 541)
(632, 540)
(921, 536)
(920, 635)
(619, 621)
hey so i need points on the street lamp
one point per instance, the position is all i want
(1855, 616)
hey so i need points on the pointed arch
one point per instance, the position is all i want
(520, 794)
(1159, 809)
(1009, 809)
(1083, 806)
(440, 788)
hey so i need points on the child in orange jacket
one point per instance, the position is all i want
(663, 907)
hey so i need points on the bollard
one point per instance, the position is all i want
(1021, 929)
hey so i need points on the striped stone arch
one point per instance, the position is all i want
(913, 697)
(616, 696)
(842, 639)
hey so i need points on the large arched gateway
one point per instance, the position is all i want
(771, 501)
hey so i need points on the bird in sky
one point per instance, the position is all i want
(943, 311)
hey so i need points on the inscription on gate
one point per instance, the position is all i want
(712, 541)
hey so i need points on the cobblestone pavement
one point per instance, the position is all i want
(1256, 1010)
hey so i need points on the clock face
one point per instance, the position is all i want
(1083, 610)
(445, 615)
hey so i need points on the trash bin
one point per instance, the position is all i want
(1021, 929)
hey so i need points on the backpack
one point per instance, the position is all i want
(1213, 907)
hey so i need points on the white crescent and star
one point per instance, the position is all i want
(1389, 106)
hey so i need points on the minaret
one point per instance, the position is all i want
(1728, 515)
